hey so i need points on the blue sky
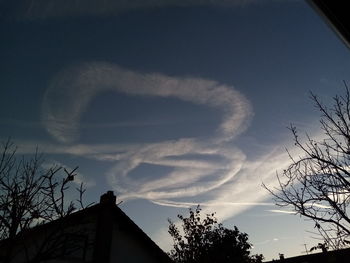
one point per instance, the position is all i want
(171, 105)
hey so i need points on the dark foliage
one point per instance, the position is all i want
(204, 240)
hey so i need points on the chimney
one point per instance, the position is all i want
(108, 198)
(281, 257)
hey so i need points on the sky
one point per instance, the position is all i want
(171, 104)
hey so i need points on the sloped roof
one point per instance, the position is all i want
(341, 255)
(116, 213)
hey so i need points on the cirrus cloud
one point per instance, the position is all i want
(72, 90)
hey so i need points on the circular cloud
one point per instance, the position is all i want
(72, 90)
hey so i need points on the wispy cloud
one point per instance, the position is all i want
(208, 204)
(281, 211)
(268, 241)
(231, 178)
(229, 186)
(88, 80)
(189, 177)
(184, 181)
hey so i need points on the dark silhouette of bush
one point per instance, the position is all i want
(205, 240)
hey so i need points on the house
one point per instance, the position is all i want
(341, 255)
(100, 233)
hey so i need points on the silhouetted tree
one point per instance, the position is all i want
(204, 240)
(316, 184)
(32, 195)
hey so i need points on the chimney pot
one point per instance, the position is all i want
(108, 198)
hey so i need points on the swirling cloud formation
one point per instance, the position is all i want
(72, 90)
(76, 87)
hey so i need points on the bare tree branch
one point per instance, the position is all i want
(316, 185)
(31, 195)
